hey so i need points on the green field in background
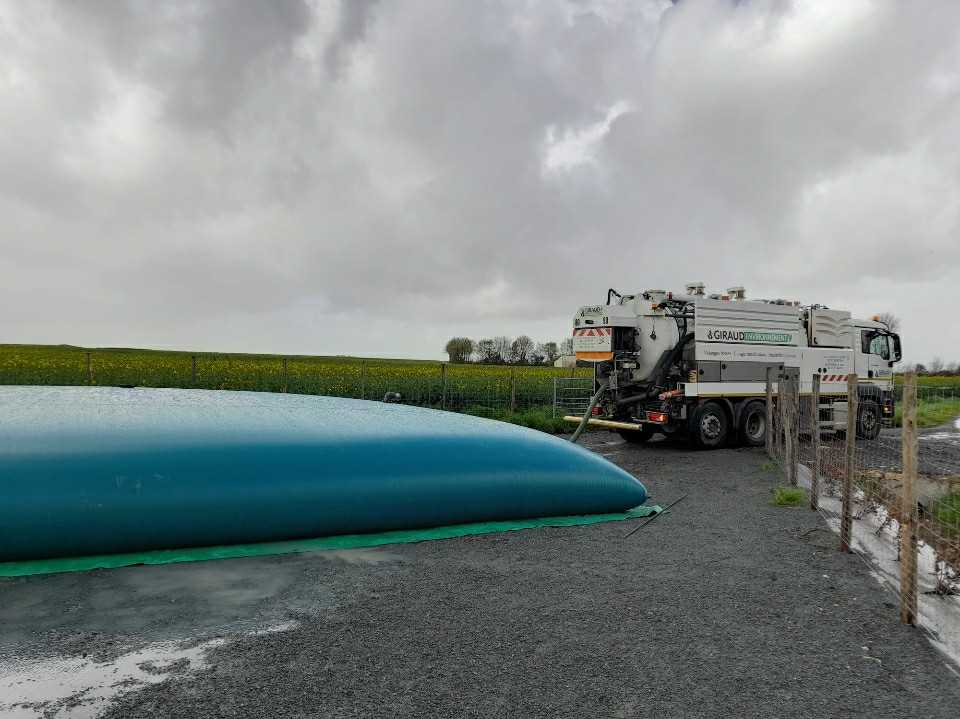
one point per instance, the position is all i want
(923, 380)
(418, 381)
(522, 394)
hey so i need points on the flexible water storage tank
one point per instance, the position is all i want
(86, 470)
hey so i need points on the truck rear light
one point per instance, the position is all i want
(658, 417)
(597, 410)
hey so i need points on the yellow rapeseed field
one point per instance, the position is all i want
(419, 382)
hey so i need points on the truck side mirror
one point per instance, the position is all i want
(897, 355)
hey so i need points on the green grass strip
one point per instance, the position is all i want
(295, 546)
(931, 412)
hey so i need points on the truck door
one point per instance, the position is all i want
(877, 351)
(876, 355)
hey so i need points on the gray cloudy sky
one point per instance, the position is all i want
(370, 177)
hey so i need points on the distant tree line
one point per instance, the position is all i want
(520, 350)
(937, 367)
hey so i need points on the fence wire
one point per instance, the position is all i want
(891, 490)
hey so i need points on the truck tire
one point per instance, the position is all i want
(868, 420)
(753, 424)
(636, 436)
(709, 426)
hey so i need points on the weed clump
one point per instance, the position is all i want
(789, 497)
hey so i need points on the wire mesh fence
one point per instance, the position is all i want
(572, 395)
(475, 388)
(889, 487)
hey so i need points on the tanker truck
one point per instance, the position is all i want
(695, 364)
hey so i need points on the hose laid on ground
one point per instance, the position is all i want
(586, 415)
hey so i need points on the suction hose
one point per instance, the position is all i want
(586, 415)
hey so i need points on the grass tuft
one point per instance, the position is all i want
(789, 497)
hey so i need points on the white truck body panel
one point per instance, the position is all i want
(725, 352)
(830, 328)
(743, 322)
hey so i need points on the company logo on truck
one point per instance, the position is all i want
(776, 338)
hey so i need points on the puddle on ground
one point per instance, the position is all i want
(876, 540)
(80, 688)
(951, 436)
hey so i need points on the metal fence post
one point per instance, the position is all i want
(89, 368)
(443, 385)
(363, 380)
(193, 370)
(769, 433)
(846, 516)
(285, 376)
(909, 518)
(513, 389)
(815, 441)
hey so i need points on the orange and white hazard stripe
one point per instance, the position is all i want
(833, 378)
(593, 332)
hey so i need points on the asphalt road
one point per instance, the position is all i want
(726, 606)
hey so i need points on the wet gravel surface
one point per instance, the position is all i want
(726, 606)
(938, 451)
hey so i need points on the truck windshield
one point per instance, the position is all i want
(876, 344)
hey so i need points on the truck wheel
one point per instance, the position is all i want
(709, 426)
(753, 424)
(636, 436)
(868, 420)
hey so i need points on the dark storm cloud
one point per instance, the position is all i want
(374, 176)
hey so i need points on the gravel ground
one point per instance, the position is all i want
(726, 606)
(938, 456)
(939, 450)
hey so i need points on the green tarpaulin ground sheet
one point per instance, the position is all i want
(294, 546)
